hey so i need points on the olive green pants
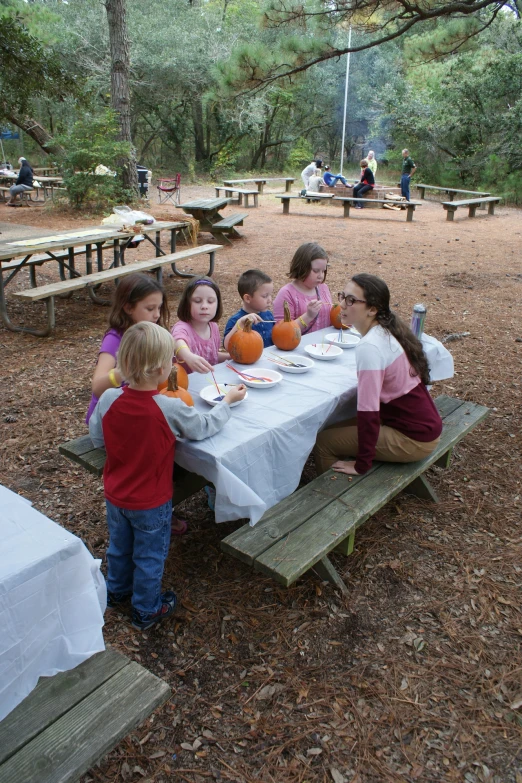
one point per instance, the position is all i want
(340, 441)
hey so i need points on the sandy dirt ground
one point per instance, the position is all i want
(416, 676)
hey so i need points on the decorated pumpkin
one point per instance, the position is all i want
(335, 317)
(173, 390)
(182, 378)
(286, 334)
(245, 346)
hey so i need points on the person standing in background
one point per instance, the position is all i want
(309, 171)
(408, 170)
(372, 163)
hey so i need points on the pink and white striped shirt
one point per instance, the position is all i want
(388, 393)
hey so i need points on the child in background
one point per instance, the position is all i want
(138, 297)
(197, 333)
(138, 428)
(256, 290)
(308, 296)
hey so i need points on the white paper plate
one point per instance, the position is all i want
(275, 377)
(209, 394)
(298, 359)
(324, 352)
(348, 339)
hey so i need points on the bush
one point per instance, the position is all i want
(92, 142)
(301, 154)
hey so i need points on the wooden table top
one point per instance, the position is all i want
(206, 204)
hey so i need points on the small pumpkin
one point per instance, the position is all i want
(182, 378)
(245, 346)
(173, 390)
(335, 318)
(286, 334)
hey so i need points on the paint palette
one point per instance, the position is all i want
(343, 340)
(299, 363)
(323, 352)
(267, 378)
(210, 395)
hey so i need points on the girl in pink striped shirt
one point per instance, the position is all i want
(397, 420)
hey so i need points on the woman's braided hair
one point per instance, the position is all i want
(377, 294)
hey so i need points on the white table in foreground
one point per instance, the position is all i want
(52, 599)
(258, 457)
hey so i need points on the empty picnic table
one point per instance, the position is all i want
(206, 210)
(450, 191)
(63, 248)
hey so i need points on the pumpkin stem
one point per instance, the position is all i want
(248, 326)
(172, 384)
(286, 310)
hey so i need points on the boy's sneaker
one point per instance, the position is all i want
(114, 600)
(146, 621)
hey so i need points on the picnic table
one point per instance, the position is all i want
(261, 182)
(64, 248)
(48, 183)
(206, 210)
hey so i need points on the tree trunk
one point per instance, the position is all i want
(36, 131)
(199, 130)
(120, 87)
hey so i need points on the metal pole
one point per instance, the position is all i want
(346, 96)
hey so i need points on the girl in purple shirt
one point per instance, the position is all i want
(196, 333)
(308, 296)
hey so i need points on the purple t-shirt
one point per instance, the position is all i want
(208, 349)
(109, 344)
(298, 302)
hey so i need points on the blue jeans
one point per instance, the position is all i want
(138, 547)
(405, 186)
(336, 178)
(359, 190)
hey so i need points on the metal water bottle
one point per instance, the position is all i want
(417, 319)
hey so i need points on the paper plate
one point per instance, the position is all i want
(347, 340)
(259, 372)
(209, 394)
(297, 359)
(323, 352)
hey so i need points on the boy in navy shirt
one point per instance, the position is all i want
(256, 290)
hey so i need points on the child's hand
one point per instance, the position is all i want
(313, 308)
(236, 394)
(253, 317)
(198, 363)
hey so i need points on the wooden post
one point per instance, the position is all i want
(421, 191)
(449, 213)
(491, 208)
(346, 546)
(346, 209)
(410, 209)
(88, 259)
(327, 573)
(256, 199)
(444, 461)
(288, 186)
(421, 488)
(472, 210)
(286, 206)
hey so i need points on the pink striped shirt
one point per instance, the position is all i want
(208, 349)
(298, 302)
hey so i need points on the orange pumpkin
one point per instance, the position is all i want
(183, 379)
(286, 334)
(245, 346)
(335, 317)
(173, 390)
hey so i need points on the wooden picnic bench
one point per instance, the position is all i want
(452, 206)
(226, 227)
(450, 191)
(285, 200)
(241, 194)
(349, 201)
(69, 721)
(90, 281)
(300, 531)
(261, 181)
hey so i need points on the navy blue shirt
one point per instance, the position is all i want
(265, 330)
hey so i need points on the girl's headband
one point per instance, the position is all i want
(203, 282)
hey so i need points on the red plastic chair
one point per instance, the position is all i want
(169, 190)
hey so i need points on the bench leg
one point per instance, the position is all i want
(288, 187)
(346, 209)
(256, 199)
(421, 488)
(491, 208)
(327, 573)
(286, 206)
(449, 214)
(346, 546)
(49, 303)
(421, 192)
(444, 461)
(472, 210)
(246, 200)
(260, 187)
(409, 213)
(32, 276)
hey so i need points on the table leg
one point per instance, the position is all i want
(158, 240)
(99, 256)
(116, 253)
(88, 259)
(173, 237)
(25, 329)
(70, 253)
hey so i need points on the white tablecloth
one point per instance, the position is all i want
(52, 600)
(258, 457)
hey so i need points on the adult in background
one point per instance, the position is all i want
(309, 171)
(408, 170)
(367, 182)
(332, 179)
(315, 182)
(372, 163)
(24, 182)
(397, 420)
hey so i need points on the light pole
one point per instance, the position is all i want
(346, 95)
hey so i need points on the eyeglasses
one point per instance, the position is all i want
(349, 299)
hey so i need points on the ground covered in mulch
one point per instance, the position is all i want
(417, 676)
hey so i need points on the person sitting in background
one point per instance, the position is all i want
(310, 170)
(367, 182)
(315, 182)
(23, 183)
(332, 179)
(372, 163)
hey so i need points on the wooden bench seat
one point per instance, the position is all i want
(299, 532)
(226, 228)
(285, 199)
(242, 194)
(450, 191)
(452, 206)
(349, 201)
(48, 292)
(69, 721)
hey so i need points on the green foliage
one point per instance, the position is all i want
(300, 155)
(225, 160)
(91, 142)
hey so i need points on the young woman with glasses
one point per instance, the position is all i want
(397, 420)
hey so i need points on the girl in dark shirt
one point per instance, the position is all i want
(367, 182)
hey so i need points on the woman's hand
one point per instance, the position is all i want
(313, 309)
(345, 467)
(236, 394)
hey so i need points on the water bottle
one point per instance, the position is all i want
(417, 320)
